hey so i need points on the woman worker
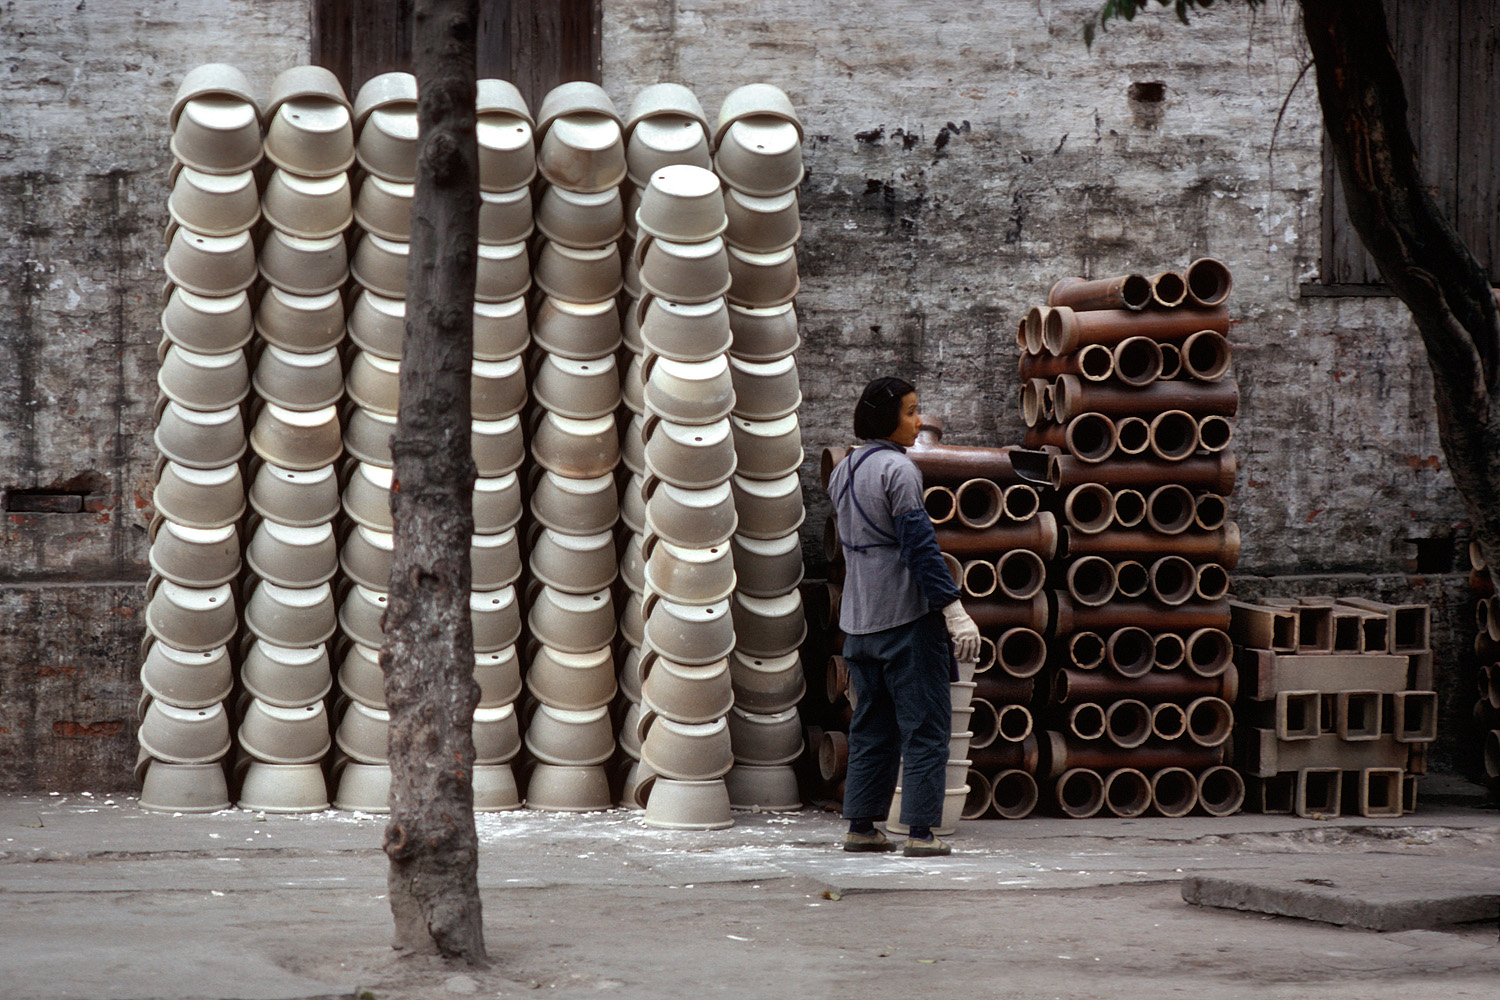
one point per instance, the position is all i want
(904, 626)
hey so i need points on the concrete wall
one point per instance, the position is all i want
(916, 257)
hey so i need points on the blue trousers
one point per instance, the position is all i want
(902, 710)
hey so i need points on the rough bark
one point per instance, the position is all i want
(428, 657)
(1419, 253)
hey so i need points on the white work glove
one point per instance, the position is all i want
(963, 632)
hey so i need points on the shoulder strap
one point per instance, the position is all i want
(854, 464)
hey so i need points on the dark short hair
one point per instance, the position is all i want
(879, 408)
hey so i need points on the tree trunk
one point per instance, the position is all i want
(1418, 252)
(428, 657)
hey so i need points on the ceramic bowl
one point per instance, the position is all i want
(689, 392)
(313, 208)
(211, 80)
(697, 519)
(575, 564)
(682, 693)
(561, 788)
(767, 567)
(192, 619)
(953, 804)
(696, 456)
(312, 136)
(632, 563)
(493, 96)
(200, 498)
(761, 788)
(385, 90)
(573, 623)
(637, 779)
(498, 446)
(577, 275)
(575, 506)
(498, 674)
(496, 616)
(210, 265)
(682, 203)
(184, 788)
(217, 135)
(633, 504)
(503, 272)
(767, 449)
(582, 390)
(497, 389)
(687, 575)
(295, 497)
(495, 560)
(768, 626)
(768, 508)
(497, 503)
(763, 335)
(687, 805)
(494, 788)
(578, 219)
(287, 677)
(765, 390)
(507, 157)
(368, 436)
(763, 280)
(384, 208)
(572, 681)
(496, 734)
(285, 735)
(633, 386)
(633, 620)
(207, 324)
(760, 155)
(570, 737)
(283, 788)
(767, 684)
(187, 680)
(306, 83)
(299, 381)
(363, 787)
(505, 217)
(364, 734)
(303, 324)
(185, 735)
(367, 496)
(292, 556)
(765, 739)
(685, 272)
(761, 225)
(214, 204)
(663, 141)
(360, 676)
(196, 557)
(366, 557)
(633, 444)
(387, 143)
(380, 265)
(630, 682)
(360, 615)
(687, 332)
(577, 330)
(755, 100)
(203, 382)
(500, 330)
(303, 266)
(576, 97)
(295, 439)
(582, 152)
(290, 616)
(688, 752)
(693, 634)
(582, 449)
(669, 100)
(374, 383)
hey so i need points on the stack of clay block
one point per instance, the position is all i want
(1487, 656)
(1124, 384)
(1336, 704)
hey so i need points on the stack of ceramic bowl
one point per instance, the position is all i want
(204, 378)
(570, 667)
(758, 157)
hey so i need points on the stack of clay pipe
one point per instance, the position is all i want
(1337, 705)
(1125, 385)
(1487, 656)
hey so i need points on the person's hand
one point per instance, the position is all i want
(963, 632)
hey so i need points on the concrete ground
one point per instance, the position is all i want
(99, 900)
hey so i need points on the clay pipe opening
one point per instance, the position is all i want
(1086, 650)
(833, 755)
(836, 679)
(1168, 721)
(984, 723)
(1208, 281)
(1132, 435)
(1171, 362)
(1020, 652)
(986, 654)
(1086, 721)
(1221, 790)
(1127, 792)
(1127, 723)
(1021, 335)
(1212, 583)
(1020, 574)
(1090, 437)
(1093, 362)
(1209, 511)
(979, 503)
(1174, 791)
(1208, 652)
(1091, 580)
(1131, 578)
(1174, 435)
(1168, 289)
(1170, 509)
(1205, 355)
(1090, 508)
(1130, 506)
(1014, 794)
(830, 458)
(1128, 291)
(940, 504)
(1130, 651)
(979, 578)
(832, 550)
(955, 568)
(1170, 650)
(1137, 361)
(1032, 392)
(1209, 721)
(1022, 502)
(1215, 433)
(1036, 321)
(1172, 580)
(1080, 793)
(1013, 723)
(977, 801)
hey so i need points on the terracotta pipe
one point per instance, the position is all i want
(1130, 651)
(1086, 721)
(1208, 652)
(1492, 753)
(1170, 650)
(955, 569)
(996, 615)
(1221, 791)
(1171, 361)
(1022, 502)
(1214, 473)
(1021, 336)
(1214, 433)
(980, 503)
(1020, 652)
(1222, 546)
(1090, 437)
(1092, 362)
(1079, 793)
(1132, 436)
(1208, 281)
(1168, 721)
(1014, 794)
(1045, 434)
(1170, 509)
(1064, 754)
(1127, 723)
(1172, 579)
(836, 679)
(830, 458)
(1128, 291)
(1127, 792)
(940, 504)
(1137, 361)
(1091, 580)
(1130, 506)
(1037, 535)
(979, 577)
(984, 723)
(1036, 324)
(1131, 578)
(1168, 289)
(1174, 791)
(835, 595)
(1174, 435)
(1071, 685)
(951, 465)
(1089, 508)
(1064, 330)
(1209, 721)
(1074, 396)
(1013, 722)
(1209, 511)
(1021, 756)
(833, 551)
(1211, 583)
(833, 756)
(1086, 650)
(1205, 356)
(977, 801)
(1033, 396)
(998, 688)
(1020, 574)
(986, 654)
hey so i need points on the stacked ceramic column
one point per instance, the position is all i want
(199, 496)
(1487, 659)
(1124, 380)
